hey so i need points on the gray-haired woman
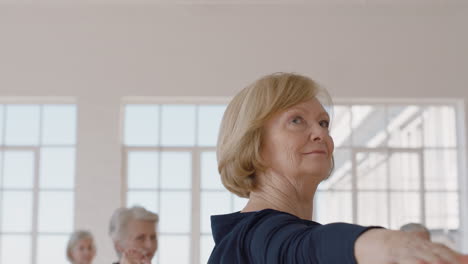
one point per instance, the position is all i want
(81, 248)
(133, 232)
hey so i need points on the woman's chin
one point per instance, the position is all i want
(318, 173)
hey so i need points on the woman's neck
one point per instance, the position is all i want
(278, 193)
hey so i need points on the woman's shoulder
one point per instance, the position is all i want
(257, 221)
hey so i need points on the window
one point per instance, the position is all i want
(385, 170)
(37, 174)
(394, 164)
(171, 169)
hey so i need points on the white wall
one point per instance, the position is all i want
(100, 53)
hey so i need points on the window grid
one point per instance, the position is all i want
(195, 191)
(35, 190)
(388, 150)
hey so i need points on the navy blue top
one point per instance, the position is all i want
(273, 237)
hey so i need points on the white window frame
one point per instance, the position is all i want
(195, 225)
(458, 104)
(36, 149)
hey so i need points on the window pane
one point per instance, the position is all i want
(442, 210)
(22, 125)
(57, 168)
(341, 176)
(143, 169)
(55, 212)
(213, 203)
(333, 206)
(174, 249)
(404, 208)
(405, 126)
(1, 123)
(440, 168)
(371, 170)
(369, 125)
(15, 249)
(178, 125)
(141, 125)
(16, 211)
(372, 209)
(209, 121)
(340, 129)
(404, 171)
(176, 212)
(18, 169)
(206, 247)
(439, 126)
(176, 170)
(210, 178)
(59, 124)
(52, 249)
(148, 200)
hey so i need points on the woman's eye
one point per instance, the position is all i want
(324, 123)
(297, 120)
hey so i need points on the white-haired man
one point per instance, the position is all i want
(133, 232)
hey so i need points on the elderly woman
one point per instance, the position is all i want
(133, 231)
(275, 148)
(81, 248)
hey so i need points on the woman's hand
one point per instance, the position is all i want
(395, 247)
(134, 256)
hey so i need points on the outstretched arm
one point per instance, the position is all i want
(396, 247)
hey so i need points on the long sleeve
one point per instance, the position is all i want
(282, 238)
(273, 237)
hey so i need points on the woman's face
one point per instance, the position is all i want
(140, 235)
(297, 144)
(83, 252)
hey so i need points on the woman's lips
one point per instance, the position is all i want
(316, 152)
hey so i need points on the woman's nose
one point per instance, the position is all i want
(148, 243)
(317, 133)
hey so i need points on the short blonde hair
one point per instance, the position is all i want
(240, 136)
(74, 238)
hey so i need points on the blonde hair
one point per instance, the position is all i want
(74, 238)
(240, 136)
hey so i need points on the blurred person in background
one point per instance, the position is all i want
(417, 230)
(81, 248)
(133, 232)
